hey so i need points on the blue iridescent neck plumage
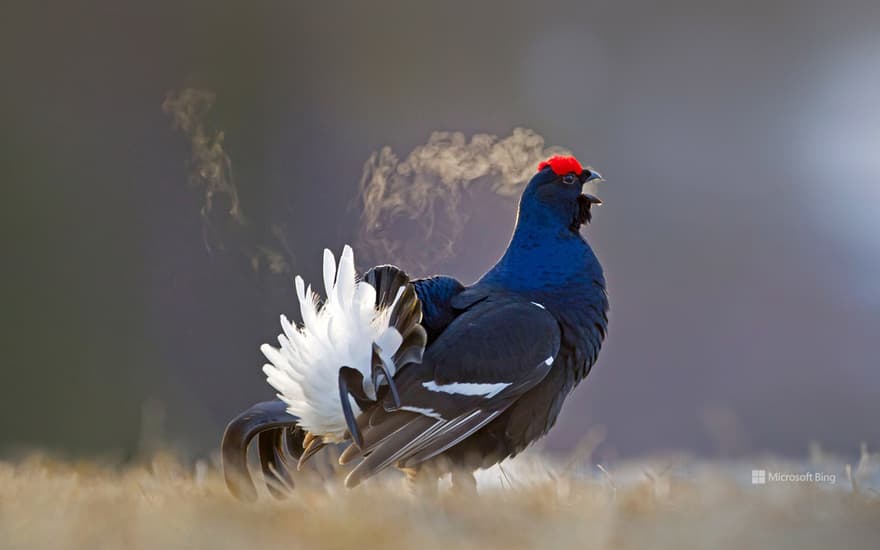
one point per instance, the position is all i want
(543, 254)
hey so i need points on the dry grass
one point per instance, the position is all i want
(48, 504)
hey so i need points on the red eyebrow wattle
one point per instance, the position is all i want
(562, 165)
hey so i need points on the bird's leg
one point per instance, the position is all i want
(420, 481)
(464, 482)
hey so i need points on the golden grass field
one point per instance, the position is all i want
(533, 503)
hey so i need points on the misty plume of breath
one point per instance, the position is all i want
(211, 172)
(412, 208)
(211, 167)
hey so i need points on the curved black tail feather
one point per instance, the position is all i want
(280, 444)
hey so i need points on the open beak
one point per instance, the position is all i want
(588, 176)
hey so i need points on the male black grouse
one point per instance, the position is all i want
(429, 375)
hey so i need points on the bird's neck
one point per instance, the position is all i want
(543, 253)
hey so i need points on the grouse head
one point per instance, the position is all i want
(555, 194)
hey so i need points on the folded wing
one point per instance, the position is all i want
(485, 359)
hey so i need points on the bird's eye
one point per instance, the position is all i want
(569, 179)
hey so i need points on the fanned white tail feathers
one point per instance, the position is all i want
(340, 332)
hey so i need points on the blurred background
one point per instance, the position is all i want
(740, 235)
